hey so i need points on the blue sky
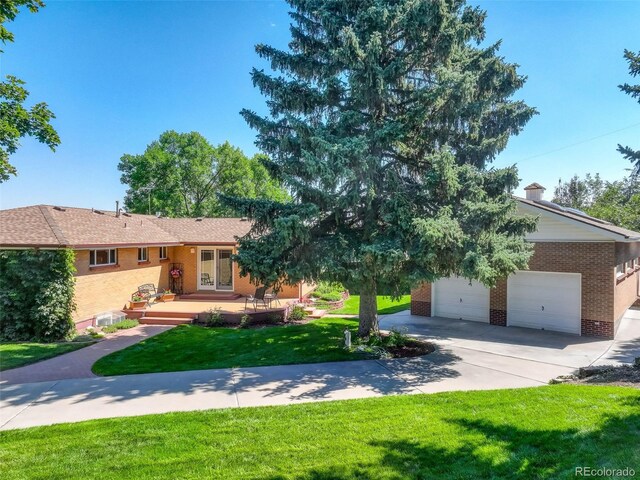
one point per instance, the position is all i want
(117, 74)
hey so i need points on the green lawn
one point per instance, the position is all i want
(190, 347)
(14, 355)
(385, 305)
(536, 433)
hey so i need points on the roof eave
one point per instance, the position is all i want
(603, 230)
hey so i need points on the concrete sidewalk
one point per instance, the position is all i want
(77, 364)
(469, 356)
(45, 403)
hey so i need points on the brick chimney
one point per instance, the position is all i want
(534, 192)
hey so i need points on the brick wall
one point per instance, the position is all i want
(184, 256)
(241, 285)
(603, 302)
(595, 261)
(626, 293)
(421, 300)
(498, 304)
(100, 289)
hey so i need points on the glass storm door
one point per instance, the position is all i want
(207, 269)
(224, 271)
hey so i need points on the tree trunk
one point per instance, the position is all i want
(368, 311)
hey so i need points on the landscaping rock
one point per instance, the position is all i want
(562, 379)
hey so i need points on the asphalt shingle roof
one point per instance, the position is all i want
(49, 226)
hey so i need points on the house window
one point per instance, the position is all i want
(620, 270)
(143, 254)
(163, 253)
(103, 257)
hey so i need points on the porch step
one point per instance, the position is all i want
(317, 314)
(161, 314)
(165, 321)
(211, 297)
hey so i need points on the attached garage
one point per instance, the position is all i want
(545, 300)
(459, 298)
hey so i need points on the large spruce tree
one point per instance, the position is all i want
(382, 124)
(634, 91)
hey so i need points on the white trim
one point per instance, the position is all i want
(618, 237)
(144, 250)
(108, 255)
(213, 287)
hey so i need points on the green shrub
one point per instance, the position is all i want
(297, 313)
(214, 317)
(123, 325)
(396, 338)
(274, 318)
(245, 321)
(36, 295)
(328, 291)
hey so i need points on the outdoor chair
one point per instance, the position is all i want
(149, 292)
(272, 297)
(255, 298)
(205, 279)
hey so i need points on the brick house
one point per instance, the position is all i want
(583, 276)
(115, 252)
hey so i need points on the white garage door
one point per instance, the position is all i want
(544, 300)
(460, 298)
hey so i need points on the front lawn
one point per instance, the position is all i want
(541, 433)
(14, 355)
(191, 347)
(385, 305)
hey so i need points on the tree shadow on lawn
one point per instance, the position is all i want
(501, 451)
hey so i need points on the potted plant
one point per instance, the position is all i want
(137, 301)
(168, 296)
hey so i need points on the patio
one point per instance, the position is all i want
(187, 311)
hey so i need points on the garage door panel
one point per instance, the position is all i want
(544, 300)
(458, 298)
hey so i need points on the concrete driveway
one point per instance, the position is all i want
(544, 348)
(470, 356)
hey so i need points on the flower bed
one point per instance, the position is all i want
(328, 305)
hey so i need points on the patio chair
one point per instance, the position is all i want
(205, 279)
(255, 298)
(149, 292)
(272, 297)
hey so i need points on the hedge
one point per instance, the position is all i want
(36, 295)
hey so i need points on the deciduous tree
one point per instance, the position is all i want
(17, 120)
(579, 193)
(383, 120)
(182, 174)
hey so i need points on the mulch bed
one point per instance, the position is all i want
(623, 376)
(413, 348)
